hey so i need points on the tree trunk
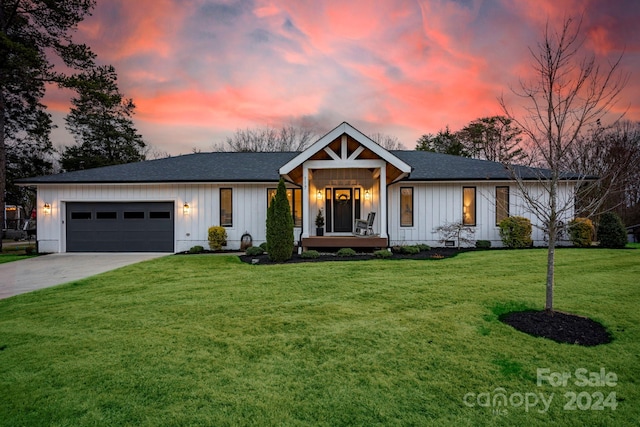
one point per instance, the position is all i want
(3, 167)
(551, 255)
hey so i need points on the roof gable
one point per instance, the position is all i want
(346, 146)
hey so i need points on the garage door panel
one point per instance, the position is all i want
(120, 227)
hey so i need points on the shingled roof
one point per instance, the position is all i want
(263, 167)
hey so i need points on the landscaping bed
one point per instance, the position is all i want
(432, 254)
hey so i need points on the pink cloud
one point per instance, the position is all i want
(391, 65)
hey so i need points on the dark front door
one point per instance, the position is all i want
(342, 210)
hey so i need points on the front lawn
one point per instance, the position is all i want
(209, 340)
(13, 257)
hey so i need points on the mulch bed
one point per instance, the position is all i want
(559, 327)
(434, 254)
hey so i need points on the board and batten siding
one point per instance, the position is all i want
(435, 204)
(249, 210)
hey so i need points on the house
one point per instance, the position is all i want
(168, 204)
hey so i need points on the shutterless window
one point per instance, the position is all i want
(406, 207)
(80, 215)
(106, 215)
(502, 203)
(134, 215)
(226, 207)
(160, 215)
(469, 205)
(294, 196)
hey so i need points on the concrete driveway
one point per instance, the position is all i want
(40, 272)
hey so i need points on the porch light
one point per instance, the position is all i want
(367, 195)
(46, 209)
(319, 195)
(186, 209)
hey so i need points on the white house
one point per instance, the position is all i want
(167, 205)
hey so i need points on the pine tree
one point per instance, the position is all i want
(280, 226)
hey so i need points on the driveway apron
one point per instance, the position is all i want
(30, 274)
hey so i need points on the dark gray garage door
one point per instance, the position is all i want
(120, 227)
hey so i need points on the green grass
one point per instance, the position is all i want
(208, 340)
(633, 245)
(12, 257)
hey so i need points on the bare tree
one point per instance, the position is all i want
(567, 95)
(612, 154)
(387, 142)
(287, 138)
(493, 138)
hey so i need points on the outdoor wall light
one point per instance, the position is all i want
(186, 209)
(367, 195)
(46, 209)
(319, 195)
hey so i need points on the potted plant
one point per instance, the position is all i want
(319, 224)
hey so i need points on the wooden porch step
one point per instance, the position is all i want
(343, 242)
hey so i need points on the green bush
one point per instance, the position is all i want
(311, 254)
(611, 231)
(196, 249)
(263, 245)
(483, 244)
(254, 251)
(346, 252)
(409, 250)
(382, 253)
(280, 226)
(423, 247)
(581, 232)
(217, 237)
(515, 232)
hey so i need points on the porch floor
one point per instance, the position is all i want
(343, 242)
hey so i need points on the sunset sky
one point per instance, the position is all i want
(198, 70)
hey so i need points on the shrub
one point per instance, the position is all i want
(280, 226)
(611, 231)
(217, 237)
(423, 247)
(29, 250)
(311, 254)
(346, 252)
(196, 249)
(263, 245)
(581, 232)
(382, 253)
(410, 250)
(254, 251)
(483, 244)
(515, 232)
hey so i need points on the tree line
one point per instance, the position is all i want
(34, 37)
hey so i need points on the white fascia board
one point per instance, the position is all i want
(344, 128)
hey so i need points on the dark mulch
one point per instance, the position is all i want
(559, 327)
(433, 254)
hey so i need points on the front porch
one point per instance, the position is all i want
(353, 242)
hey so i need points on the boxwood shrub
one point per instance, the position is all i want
(581, 232)
(254, 251)
(346, 252)
(515, 232)
(310, 254)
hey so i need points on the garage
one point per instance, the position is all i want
(120, 227)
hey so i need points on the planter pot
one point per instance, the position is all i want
(319, 231)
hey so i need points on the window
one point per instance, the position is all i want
(502, 203)
(80, 215)
(134, 215)
(294, 196)
(226, 207)
(469, 205)
(160, 215)
(106, 215)
(406, 207)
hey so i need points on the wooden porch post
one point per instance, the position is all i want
(305, 201)
(383, 202)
